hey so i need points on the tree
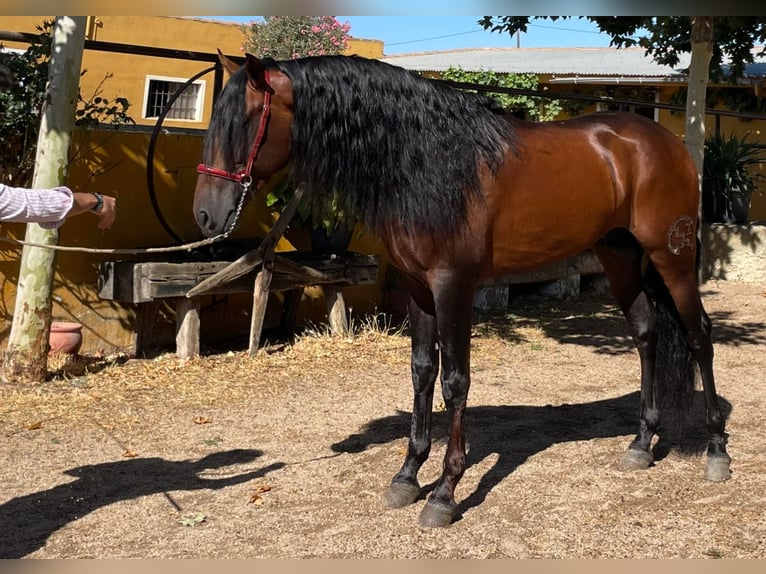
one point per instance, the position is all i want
(26, 359)
(290, 37)
(37, 116)
(711, 40)
(22, 103)
(541, 109)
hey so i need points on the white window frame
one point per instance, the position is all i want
(199, 104)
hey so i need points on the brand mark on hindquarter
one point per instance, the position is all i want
(681, 235)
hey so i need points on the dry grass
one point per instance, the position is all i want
(84, 389)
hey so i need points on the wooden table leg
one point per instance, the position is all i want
(146, 319)
(260, 299)
(336, 309)
(187, 327)
(291, 299)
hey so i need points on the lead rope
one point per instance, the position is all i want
(184, 247)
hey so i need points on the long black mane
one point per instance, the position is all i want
(398, 148)
(228, 134)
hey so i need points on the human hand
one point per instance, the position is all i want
(104, 206)
(107, 212)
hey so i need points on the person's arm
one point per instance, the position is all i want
(51, 207)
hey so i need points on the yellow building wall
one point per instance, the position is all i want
(115, 163)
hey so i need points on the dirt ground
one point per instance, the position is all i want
(286, 455)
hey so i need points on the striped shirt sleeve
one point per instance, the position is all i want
(48, 207)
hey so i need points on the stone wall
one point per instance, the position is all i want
(734, 252)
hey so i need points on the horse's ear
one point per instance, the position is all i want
(256, 74)
(229, 65)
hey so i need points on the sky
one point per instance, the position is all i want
(404, 34)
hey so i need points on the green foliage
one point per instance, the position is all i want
(665, 37)
(542, 109)
(726, 174)
(315, 213)
(290, 37)
(21, 108)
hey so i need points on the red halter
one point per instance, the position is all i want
(243, 176)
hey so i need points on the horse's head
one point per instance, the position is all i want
(248, 140)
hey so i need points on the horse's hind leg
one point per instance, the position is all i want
(620, 255)
(404, 488)
(679, 275)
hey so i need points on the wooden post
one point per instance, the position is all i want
(336, 309)
(27, 357)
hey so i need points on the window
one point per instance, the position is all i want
(187, 106)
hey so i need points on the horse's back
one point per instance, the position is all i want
(570, 182)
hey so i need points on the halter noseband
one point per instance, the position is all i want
(243, 176)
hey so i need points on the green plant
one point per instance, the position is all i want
(21, 108)
(541, 109)
(727, 176)
(314, 213)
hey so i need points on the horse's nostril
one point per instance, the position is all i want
(202, 218)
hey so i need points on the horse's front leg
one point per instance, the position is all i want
(405, 488)
(454, 312)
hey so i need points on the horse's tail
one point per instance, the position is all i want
(675, 372)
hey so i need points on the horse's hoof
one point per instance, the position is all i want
(636, 459)
(435, 515)
(401, 494)
(718, 468)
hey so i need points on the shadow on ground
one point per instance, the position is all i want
(516, 433)
(596, 322)
(26, 522)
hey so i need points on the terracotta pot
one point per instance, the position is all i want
(65, 337)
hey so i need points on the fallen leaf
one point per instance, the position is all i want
(190, 520)
(256, 499)
(262, 488)
(34, 426)
(129, 454)
(202, 420)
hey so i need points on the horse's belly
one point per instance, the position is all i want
(528, 243)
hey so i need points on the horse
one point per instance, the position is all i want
(460, 192)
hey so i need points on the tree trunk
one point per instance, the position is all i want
(27, 357)
(699, 71)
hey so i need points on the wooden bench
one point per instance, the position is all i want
(560, 280)
(146, 283)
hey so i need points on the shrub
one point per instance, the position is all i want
(21, 108)
(290, 37)
(726, 176)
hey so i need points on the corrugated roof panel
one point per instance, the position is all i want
(628, 62)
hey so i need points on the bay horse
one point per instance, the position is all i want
(461, 192)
